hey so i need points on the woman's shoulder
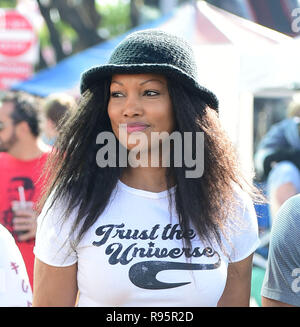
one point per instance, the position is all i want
(243, 197)
(55, 206)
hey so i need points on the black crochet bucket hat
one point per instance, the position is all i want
(152, 51)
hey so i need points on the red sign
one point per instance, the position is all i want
(18, 48)
(16, 34)
(13, 72)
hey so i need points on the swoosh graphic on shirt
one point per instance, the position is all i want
(143, 274)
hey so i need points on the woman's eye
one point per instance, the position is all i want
(151, 93)
(116, 94)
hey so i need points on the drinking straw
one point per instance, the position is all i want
(22, 196)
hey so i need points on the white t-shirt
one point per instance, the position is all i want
(15, 290)
(133, 254)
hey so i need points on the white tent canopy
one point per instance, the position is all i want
(239, 61)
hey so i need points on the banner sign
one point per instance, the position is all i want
(18, 48)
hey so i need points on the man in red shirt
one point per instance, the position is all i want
(22, 161)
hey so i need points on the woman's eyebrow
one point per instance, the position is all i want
(142, 83)
(116, 82)
(152, 80)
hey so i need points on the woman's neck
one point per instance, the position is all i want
(146, 178)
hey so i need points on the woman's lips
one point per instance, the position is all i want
(136, 127)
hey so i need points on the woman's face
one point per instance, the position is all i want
(142, 102)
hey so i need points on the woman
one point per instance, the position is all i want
(132, 233)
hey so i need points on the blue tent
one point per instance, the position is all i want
(65, 76)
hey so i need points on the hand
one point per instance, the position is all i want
(25, 221)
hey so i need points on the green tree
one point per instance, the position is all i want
(78, 20)
(84, 23)
(8, 3)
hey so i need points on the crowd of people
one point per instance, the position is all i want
(277, 161)
(28, 127)
(74, 233)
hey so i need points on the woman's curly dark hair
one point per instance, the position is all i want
(204, 203)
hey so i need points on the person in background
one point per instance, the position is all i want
(15, 289)
(57, 109)
(277, 159)
(281, 285)
(22, 159)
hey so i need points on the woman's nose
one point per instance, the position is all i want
(133, 107)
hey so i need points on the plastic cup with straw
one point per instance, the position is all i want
(22, 204)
